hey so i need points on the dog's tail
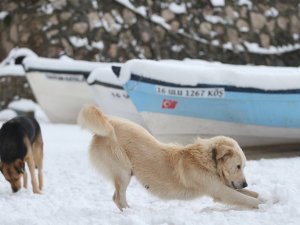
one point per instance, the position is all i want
(90, 117)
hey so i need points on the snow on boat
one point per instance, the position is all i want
(60, 85)
(110, 95)
(257, 105)
(11, 65)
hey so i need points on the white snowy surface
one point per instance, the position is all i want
(24, 105)
(12, 70)
(104, 74)
(63, 64)
(8, 66)
(15, 53)
(75, 194)
(201, 72)
(218, 2)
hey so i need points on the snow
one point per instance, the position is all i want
(75, 193)
(12, 70)
(272, 12)
(195, 72)
(245, 2)
(217, 3)
(3, 14)
(104, 74)
(98, 44)
(7, 114)
(26, 105)
(78, 42)
(63, 64)
(15, 53)
(177, 8)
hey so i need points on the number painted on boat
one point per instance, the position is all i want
(65, 77)
(191, 92)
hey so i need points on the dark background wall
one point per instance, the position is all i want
(106, 30)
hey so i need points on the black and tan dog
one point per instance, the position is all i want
(21, 141)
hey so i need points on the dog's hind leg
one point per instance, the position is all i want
(38, 159)
(121, 182)
(25, 179)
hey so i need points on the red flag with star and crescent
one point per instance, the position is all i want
(169, 104)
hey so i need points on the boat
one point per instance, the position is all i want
(110, 95)
(180, 101)
(60, 86)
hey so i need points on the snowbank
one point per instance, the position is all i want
(23, 106)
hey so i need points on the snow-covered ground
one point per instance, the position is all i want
(75, 193)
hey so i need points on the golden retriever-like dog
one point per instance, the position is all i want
(212, 167)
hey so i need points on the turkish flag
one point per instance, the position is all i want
(169, 104)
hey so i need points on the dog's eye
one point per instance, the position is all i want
(239, 166)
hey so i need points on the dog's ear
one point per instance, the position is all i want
(19, 166)
(222, 152)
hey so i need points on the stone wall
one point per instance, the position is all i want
(239, 32)
(14, 88)
(258, 31)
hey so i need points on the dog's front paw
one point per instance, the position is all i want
(37, 191)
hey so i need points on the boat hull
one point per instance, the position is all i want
(60, 95)
(252, 117)
(114, 100)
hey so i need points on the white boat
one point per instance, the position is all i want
(110, 95)
(256, 105)
(59, 85)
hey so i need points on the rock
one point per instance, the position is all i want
(295, 24)
(160, 33)
(65, 16)
(53, 20)
(145, 36)
(244, 12)
(233, 36)
(205, 28)
(175, 25)
(129, 17)
(94, 20)
(242, 25)
(58, 4)
(146, 52)
(24, 37)
(282, 22)
(264, 40)
(113, 51)
(167, 15)
(67, 47)
(13, 33)
(52, 33)
(230, 13)
(271, 25)
(80, 27)
(258, 21)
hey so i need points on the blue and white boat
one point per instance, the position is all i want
(179, 101)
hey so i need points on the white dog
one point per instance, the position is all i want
(213, 167)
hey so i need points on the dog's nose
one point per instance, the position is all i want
(15, 189)
(245, 184)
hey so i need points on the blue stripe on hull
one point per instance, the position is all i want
(274, 110)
